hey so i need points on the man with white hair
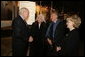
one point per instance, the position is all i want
(20, 33)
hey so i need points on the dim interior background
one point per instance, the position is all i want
(9, 10)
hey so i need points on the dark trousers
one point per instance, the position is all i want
(20, 48)
(36, 49)
(52, 51)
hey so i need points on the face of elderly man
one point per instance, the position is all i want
(24, 12)
(53, 16)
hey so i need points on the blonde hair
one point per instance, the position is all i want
(42, 17)
(75, 19)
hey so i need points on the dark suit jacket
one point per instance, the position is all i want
(20, 36)
(37, 46)
(59, 33)
(37, 33)
(71, 43)
(57, 40)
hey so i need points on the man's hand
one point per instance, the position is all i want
(58, 49)
(30, 39)
(49, 41)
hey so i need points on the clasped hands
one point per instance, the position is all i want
(30, 39)
(58, 48)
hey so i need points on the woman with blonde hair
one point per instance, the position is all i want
(38, 34)
(40, 18)
(72, 39)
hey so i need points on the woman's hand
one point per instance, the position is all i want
(58, 49)
(30, 39)
(49, 41)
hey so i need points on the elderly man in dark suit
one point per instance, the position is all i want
(20, 33)
(55, 34)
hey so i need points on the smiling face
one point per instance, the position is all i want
(53, 17)
(73, 21)
(40, 18)
(26, 14)
(69, 24)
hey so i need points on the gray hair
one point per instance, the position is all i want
(22, 10)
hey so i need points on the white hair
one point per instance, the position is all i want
(22, 10)
(42, 17)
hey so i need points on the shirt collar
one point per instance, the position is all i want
(55, 21)
(22, 17)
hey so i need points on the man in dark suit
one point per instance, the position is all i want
(55, 34)
(20, 33)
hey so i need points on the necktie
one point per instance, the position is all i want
(25, 22)
(51, 30)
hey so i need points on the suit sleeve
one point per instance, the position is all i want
(17, 29)
(60, 34)
(71, 45)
